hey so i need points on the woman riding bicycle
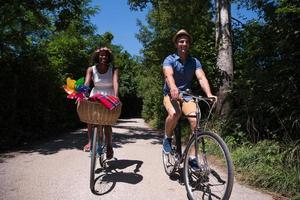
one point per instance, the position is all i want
(105, 78)
(179, 69)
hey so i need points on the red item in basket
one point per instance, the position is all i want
(78, 96)
(110, 102)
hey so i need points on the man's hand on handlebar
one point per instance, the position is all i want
(213, 97)
(174, 93)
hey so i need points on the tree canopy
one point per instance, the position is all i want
(265, 92)
(43, 43)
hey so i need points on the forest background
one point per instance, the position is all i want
(44, 42)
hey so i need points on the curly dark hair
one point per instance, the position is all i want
(95, 56)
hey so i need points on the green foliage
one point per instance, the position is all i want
(164, 19)
(265, 165)
(266, 87)
(43, 43)
(128, 87)
(296, 197)
(38, 42)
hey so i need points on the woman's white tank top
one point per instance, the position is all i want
(103, 83)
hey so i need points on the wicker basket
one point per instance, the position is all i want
(95, 113)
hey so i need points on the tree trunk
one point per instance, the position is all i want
(224, 57)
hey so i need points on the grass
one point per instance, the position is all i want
(266, 165)
(270, 165)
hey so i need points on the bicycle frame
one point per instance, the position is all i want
(205, 178)
(197, 129)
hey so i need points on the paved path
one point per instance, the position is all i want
(59, 170)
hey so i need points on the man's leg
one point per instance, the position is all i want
(189, 109)
(170, 123)
(174, 114)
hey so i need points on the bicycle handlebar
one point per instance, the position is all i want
(196, 98)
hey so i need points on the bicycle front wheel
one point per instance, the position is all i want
(93, 159)
(213, 177)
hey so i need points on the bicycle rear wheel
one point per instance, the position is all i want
(214, 177)
(93, 159)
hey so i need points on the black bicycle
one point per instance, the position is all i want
(213, 178)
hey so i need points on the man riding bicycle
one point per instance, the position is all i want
(179, 69)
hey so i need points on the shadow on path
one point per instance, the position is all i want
(111, 175)
(122, 134)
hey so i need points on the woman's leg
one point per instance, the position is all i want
(89, 133)
(108, 136)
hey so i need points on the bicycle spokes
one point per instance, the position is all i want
(214, 178)
(169, 162)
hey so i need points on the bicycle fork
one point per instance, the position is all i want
(204, 158)
(204, 169)
(100, 140)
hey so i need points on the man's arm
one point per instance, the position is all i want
(168, 72)
(203, 82)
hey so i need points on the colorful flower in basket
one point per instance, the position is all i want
(76, 89)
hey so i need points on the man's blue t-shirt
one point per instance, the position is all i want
(182, 72)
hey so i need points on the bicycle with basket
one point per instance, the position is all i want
(98, 115)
